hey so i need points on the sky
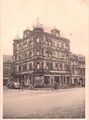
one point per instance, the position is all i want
(69, 16)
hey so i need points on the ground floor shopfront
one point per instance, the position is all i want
(78, 80)
(48, 80)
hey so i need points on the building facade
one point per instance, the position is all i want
(42, 59)
(7, 69)
(78, 70)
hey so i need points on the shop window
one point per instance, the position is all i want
(64, 80)
(46, 80)
(56, 79)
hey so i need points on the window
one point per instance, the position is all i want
(55, 43)
(38, 65)
(57, 34)
(72, 69)
(50, 54)
(67, 57)
(19, 45)
(56, 65)
(49, 65)
(59, 54)
(47, 54)
(38, 40)
(31, 54)
(30, 66)
(38, 52)
(61, 67)
(30, 42)
(62, 56)
(46, 42)
(64, 45)
(25, 35)
(67, 68)
(24, 67)
(59, 44)
(19, 57)
(53, 53)
(56, 54)
(50, 42)
(19, 68)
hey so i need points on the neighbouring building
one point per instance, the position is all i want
(43, 59)
(78, 70)
(7, 69)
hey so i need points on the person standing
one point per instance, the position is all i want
(21, 85)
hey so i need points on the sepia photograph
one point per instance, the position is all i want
(44, 51)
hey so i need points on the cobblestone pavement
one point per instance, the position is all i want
(63, 103)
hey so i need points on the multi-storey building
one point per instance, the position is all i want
(78, 70)
(7, 69)
(42, 58)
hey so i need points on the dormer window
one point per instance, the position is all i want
(26, 33)
(57, 34)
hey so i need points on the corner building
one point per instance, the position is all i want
(42, 59)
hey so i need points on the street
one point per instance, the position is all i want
(61, 103)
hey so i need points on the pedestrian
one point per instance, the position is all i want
(21, 85)
(55, 85)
